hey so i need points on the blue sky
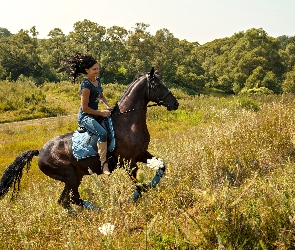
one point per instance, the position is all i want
(193, 20)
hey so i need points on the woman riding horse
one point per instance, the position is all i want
(91, 92)
(56, 158)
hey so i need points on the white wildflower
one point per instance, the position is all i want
(155, 163)
(107, 229)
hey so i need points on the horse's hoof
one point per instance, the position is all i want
(90, 206)
(136, 195)
(71, 211)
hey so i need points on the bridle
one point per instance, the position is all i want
(160, 100)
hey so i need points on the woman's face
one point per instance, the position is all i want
(93, 71)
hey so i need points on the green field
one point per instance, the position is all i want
(229, 182)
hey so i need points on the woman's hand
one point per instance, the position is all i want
(105, 113)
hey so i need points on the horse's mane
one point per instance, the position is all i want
(129, 87)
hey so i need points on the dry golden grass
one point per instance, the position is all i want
(229, 183)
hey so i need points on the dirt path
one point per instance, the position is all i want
(46, 120)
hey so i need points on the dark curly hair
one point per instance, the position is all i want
(78, 63)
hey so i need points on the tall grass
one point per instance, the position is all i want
(24, 100)
(229, 182)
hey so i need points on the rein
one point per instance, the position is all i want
(131, 110)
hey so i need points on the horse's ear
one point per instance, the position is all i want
(152, 73)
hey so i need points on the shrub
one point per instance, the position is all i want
(248, 104)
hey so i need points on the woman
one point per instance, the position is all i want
(91, 93)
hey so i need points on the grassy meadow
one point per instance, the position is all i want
(229, 182)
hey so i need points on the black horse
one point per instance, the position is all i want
(132, 139)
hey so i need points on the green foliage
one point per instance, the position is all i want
(246, 60)
(248, 104)
(256, 91)
(24, 100)
(288, 55)
(18, 55)
(4, 32)
(289, 83)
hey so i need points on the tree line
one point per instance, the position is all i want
(250, 61)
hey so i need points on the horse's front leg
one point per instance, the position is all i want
(156, 164)
(153, 162)
(146, 156)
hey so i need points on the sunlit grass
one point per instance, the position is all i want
(229, 182)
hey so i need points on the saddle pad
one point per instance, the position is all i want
(82, 146)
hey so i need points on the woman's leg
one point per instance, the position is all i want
(94, 127)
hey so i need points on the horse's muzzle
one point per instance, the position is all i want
(174, 106)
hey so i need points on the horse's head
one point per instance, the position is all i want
(159, 93)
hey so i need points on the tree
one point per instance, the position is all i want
(263, 79)
(52, 53)
(289, 83)
(255, 79)
(285, 40)
(255, 50)
(189, 72)
(271, 82)
(239, 82)
(34, 33)
(18, 55)
(87, 38)
(3, 72)
(165, 59)
(288, 56)
(140, 50)
(113, 60)
(214, 59)
(4, 32)
(225, 83)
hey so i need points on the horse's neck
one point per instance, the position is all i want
(135, 99)
(132, 110)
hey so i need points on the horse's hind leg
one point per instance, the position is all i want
(70, 194)
(65, 173)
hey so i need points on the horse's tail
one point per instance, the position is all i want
(13, 174)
